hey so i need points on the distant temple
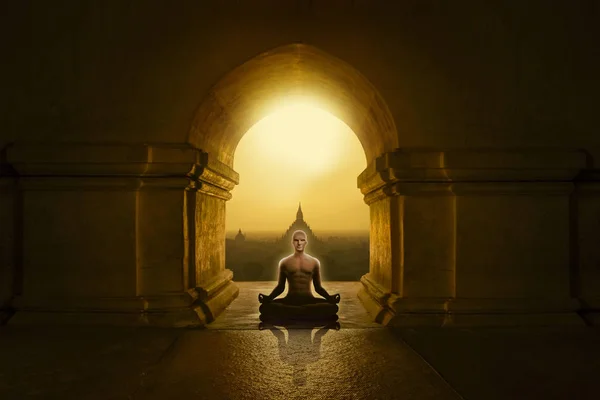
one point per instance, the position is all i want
(299, 224)
(240, 237)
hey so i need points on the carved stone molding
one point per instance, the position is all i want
(194, 308)
(412, 171)
(125, 166)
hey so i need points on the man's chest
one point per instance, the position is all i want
(300, 268)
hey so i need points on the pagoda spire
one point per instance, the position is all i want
(299, 214)
(240, 237)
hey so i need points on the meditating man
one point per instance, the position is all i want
(299, 269)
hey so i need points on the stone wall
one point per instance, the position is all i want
(461, 74)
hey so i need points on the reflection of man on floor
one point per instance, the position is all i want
(299, 351)
(299, 269)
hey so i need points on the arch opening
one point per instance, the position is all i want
(287, 75)
(299, 168)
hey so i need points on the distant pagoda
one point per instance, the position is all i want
(240, 237)
(299, 224)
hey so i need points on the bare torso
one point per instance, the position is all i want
(299, 269)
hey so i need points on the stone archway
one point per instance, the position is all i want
(248, 93)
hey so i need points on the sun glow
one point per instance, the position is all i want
(298, 153)
(302, 137)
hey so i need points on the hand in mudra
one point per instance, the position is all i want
(335, 298)
(263, 298)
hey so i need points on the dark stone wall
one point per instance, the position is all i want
(454, 74)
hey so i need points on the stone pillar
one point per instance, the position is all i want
(478, 237)
(586, 227)
(122, 234)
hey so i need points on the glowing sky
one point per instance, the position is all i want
(298, 153)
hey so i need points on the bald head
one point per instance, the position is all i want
(299, 241)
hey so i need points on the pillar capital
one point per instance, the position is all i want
(126, 166)
(398, 172)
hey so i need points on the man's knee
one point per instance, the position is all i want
(330, 308)
(323, 308)
(266, 307)
(271, 307)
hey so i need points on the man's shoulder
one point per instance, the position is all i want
(313, 259)
(284, 260)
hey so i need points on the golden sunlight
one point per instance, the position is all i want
(299, 153)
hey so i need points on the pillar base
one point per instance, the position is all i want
(195, 308)
(214, 297)
(390, 310)
(171, 319)
(374, 299)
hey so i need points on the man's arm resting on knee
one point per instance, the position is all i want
(279, 288)
(319, 288)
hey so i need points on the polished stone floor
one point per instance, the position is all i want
(233, 359)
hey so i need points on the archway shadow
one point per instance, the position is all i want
(301, 347)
